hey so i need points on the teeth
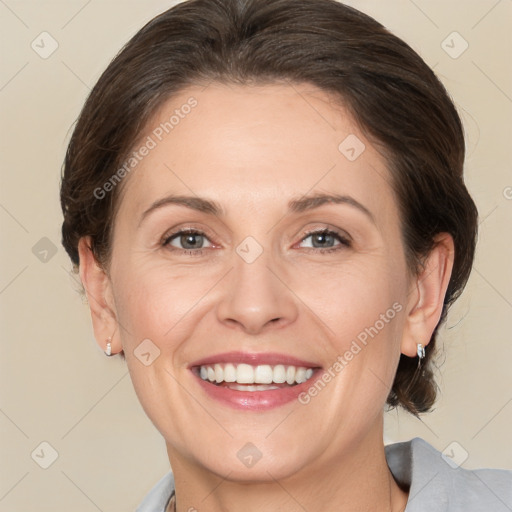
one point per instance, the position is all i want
(261, 374)
(279, 374)
(219, 373)
(229, 373)
(244, 374)
(248, 387)
(300, 375)
(290, 375)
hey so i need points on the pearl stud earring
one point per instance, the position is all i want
(108, 350)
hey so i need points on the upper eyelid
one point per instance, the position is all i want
(170, 236)
(334, 231)
(344, 240)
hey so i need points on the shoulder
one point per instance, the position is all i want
(158, 497)
(436, 482)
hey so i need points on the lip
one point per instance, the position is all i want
(254, 359)
(254, 400)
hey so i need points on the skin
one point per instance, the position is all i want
(252, 150)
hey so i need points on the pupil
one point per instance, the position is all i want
(188, 241)
(322, 238)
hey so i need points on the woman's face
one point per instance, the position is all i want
(272, 276)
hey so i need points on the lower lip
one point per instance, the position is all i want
(256, 400)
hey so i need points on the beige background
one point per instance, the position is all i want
(56, 384)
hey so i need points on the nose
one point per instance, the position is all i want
(256, 297)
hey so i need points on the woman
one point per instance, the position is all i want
(264, 200)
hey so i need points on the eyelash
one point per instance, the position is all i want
(344, 241)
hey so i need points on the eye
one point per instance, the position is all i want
(187, 240)
(326, 239)
(191, 241)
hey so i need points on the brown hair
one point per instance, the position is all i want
(394, 96)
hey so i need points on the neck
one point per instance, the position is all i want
(357, 480)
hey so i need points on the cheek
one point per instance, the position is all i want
(153, 302)
(362, 310)
(351, 299)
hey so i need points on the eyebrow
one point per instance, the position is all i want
(302, 204)
(316, 200)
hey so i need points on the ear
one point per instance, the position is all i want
(427, 293)
(98, 289)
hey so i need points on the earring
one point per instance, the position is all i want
(421, 351)
(108, 351)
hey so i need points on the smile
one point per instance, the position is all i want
(245, 377)
(255, 382)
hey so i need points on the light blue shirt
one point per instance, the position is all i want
(435, 483)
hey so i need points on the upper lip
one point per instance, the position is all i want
(254, 359)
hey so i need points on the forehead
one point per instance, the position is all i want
(244, 144)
